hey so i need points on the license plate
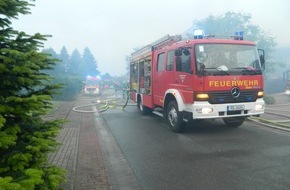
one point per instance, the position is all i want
(235, 107)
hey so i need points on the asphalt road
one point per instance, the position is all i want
(207, 155)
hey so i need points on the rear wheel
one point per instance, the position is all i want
(234, 121)
(143, 109)
(174, 117)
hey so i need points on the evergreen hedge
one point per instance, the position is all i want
(25, 94)
(71, 88)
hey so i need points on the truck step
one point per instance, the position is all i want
(161, 115)
(158, 113)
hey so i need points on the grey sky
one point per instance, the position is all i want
(112, 28)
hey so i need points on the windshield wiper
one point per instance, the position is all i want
(248, 70)
(220, 70)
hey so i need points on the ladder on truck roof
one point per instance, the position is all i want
(158, 44)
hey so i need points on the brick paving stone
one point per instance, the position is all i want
(66, 154)
(89, 152)
(90, 170)
(79, 152)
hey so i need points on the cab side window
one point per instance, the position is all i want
(170, 61)
(160, 62)
(183, 62)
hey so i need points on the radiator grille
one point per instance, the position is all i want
(226, 97)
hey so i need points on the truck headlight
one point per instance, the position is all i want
(204, 110)
(259, 107)
(260, 94)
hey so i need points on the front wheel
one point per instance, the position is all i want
(234, 121)
(174, 117)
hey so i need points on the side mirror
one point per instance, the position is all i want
(201, 57)
(262, 58)
(178, 52)
(186, 52)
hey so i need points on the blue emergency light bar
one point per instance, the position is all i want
(198, 34)
(89, 77)
(239, 35)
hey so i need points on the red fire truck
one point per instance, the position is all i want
(92, 85)
(200, 78)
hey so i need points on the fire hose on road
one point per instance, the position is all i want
(270, 123)
(105, 105)
(278, 124)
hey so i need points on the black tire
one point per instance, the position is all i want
(234, 121)
(174, 117)
(143, 109)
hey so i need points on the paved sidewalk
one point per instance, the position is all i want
(89, 152)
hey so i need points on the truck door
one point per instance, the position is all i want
(183, 77)
(164, 76)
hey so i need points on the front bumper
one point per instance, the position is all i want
(205, 110)
(95, 91)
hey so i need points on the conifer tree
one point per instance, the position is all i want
(64, 61)
(75, 62)
(89, 64)
(55, 69)
(25, 138)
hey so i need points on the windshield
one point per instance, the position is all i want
(92, 82)
(227, 59)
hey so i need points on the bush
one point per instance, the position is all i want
(71, 87)
(269, 100)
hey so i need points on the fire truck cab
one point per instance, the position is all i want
(201, 78)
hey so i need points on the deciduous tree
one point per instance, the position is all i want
(229, 23)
